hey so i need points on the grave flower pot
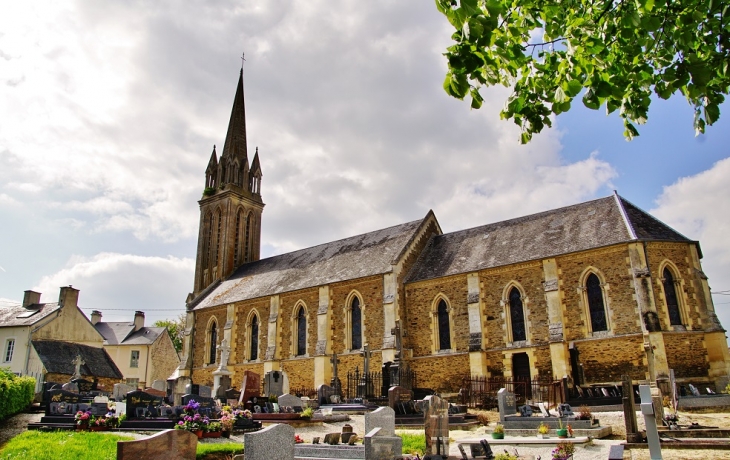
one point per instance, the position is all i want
(226, 434)
(212, 434)
(199, 434)
(562, 432)
(497, 435)
(98, 428)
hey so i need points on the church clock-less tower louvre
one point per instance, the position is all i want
(230, 210)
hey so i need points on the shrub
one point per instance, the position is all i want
(585, 413)
(16, 393)
(499, 428)
(483, 418)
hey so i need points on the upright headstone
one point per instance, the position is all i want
(507, 403)
(85, 386)
(383, 418)
(192, 389)
(274, 383)
(205, 391)
(138, 403)
(287, 400)
(177, 444)
(436, 424)
(250, 387)
(121, 390)
(160, 385)
(223, 386)
(275, 441)
(324, 392)
(398, 399)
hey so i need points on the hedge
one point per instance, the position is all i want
(16, 393)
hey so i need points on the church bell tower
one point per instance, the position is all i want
(230, 210)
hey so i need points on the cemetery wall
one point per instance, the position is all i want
(606, 360)
(691, 299)
(686, 354)
(442, 373)
(422, 305)
(239, 351)
(163, 357)
(288, 307)
(614, 271)
(493, 285)
(371, 292)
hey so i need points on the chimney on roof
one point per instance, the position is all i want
(95, 317)
(138, 320)
(31, 298)
(68, 296)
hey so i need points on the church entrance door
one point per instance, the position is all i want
(521, 373)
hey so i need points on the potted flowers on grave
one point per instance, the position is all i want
(498, 432)
(98, 423)
(562, 431)
(194, 423)
(542, 430)
(227, 420)
(307, 413)
(585, 413)
(671, 420)
(212, 430)
(563, 451)
(82, 420)
(243, 417)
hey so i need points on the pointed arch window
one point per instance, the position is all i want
(254, 338)
(207, 236)
(247, 239)
(670, 295)
(596, 306)
(212, 342)
(219, 223)
(355, 324)
(301, 329)
(517, 315)
(444, 326)
(237, 241)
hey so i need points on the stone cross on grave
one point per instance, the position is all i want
(77, 362)
(366, 353)
(335, 383)
(397, 331)
(225, 351)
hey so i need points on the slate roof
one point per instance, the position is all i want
(57, 358)
(355, 257)
(124, 334)
(589, 225)
(20, 316)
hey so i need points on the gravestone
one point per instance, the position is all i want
(507, 403)
(177, 444)
(383, 418)
(543, 409)
(232, 395)
(398, 397)
(205, 391)
(73, 388)
(564, 410)
(99, 409)
(141, 400)
(693, 389)
(287, 400)
(207, 405)
(380, 442)
(275, 441)
(223, 386)
(192, 389)
(324, 392)
(160, 385)
(436, 424)
(152, 391)
(84, 386)
(250, 387)
(77, 362)
(274, 383)
(120, 391)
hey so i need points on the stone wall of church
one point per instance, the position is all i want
(238, 370)
(686, 354)
(442, 373)
(692, 301)
(300, 372)
(371, 292)
(606, 360)
(614, 270)
(493, 283)
(202, 371)
(239, 352)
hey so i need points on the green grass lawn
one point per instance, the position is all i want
(71, 445)
(413, 443)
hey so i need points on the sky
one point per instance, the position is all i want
(109, 112)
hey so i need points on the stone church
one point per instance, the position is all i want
(600, 286)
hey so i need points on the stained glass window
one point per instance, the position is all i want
(301, 332)
(213, 343)
(595, 303)
(670, 293)
(356, 324)
(517, 315)
(444, 329)
(254, 338)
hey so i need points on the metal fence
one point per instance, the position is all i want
(372, 385)
(481, 391)
(310, 393)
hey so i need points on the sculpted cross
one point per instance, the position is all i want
(78, 362)
(334, 362)
(398, 333)
(366, 353)
(225, 352)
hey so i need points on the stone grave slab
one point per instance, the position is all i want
(121, 390)
(287, 400)
(70, 387)
(160, 385)
(398, 397)
(275, 441)
(274, 383)
(436, 425)
(139, 403)
(507, 403)
(85, 386)
(177, 444)
(152, 391)
(383, 418)
(205, 391)
(324, 393)
(251, 386)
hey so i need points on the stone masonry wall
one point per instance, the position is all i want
(239, 353)
(371, 292)
(606, 360)
(287, 321)
(441, 373)
(202, 371)
(163, 357)
(686, 354)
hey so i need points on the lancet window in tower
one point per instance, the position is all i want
(219, 222)
(247, 239)
(237, 241)
(208, 232)
(595, 303)
(670, 294)
(517, 315)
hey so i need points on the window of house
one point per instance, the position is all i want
(254, 337)
(301, 332)
(670, 295)
(134, 360)
(596, 306)
(517, 315)
(213, 335)
(355, 324)
(444, 327)
(9, 348)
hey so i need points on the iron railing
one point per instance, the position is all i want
(481, 392)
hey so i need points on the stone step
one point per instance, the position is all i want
(329, 451)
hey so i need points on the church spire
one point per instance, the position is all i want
(235, 145)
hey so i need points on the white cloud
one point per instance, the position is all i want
(119, 284)
(690, 206)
